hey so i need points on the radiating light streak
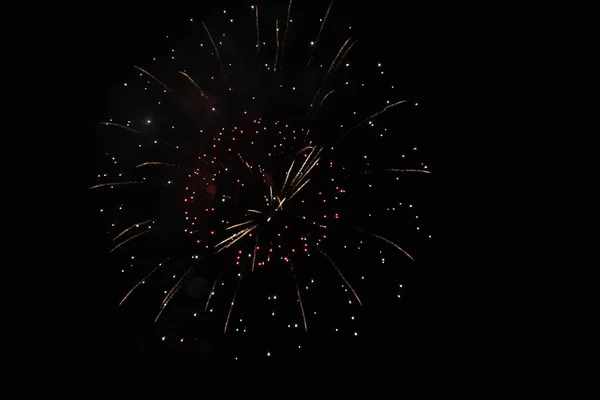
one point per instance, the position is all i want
(118, 126)
(325, 97)
(341, 276)
(287, 174)
(318, 36)
(137, 224)
(153, 77)
(133, 130)
(257, 32)
(302, 150)
(329, 71)
(314, 163)
(254, 253)
(344, 56)
(157, 163)
(232, 303)
(297, 190)
(298, 174)
(299, 298)
(301, 175)
(245, 163)
(385, 240)
(195, 84)
(277, 50)
(287, 26)
(280, 206)
(245, 232)
(212, 291)
(131, 238)
(172, 293)
(229, 313)
(115, 184)
(233, 236)
(375, 115)
(144, 279)
(240, 224)
(407, 170)
(217, 53)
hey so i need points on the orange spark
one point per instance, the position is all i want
(152, 76)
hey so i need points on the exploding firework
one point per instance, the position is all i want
(254, 148)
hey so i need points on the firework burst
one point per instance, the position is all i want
(249, 156)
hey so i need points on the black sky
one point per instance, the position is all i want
(101, 43)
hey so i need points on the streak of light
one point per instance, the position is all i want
(257, 32)
(137, 224)
(325, 97)
(172, 293)
(115, 184)
(299, 298)
(287, 26)
(344, 56)
(280, 206)
(118, 126)
(319, 35)
(385, 240)
(240, 224)
(375, 115)
(254, 253)
(408, 170)
(195, 84)
(334, 62)
(298, 174)
(157, 163)
(233, 236)
(297, 190)
(131, 238)
(232, 303)
(277, 50)
(217, 53)
(287, 174)
(153, 77)
(144, 279)
(342, 276)
(212, 291)
(245, 232)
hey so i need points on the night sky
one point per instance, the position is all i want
(122, 346)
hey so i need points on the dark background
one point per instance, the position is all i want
(101, 43)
